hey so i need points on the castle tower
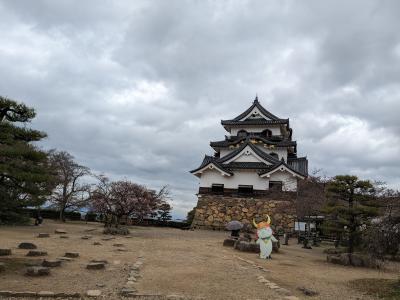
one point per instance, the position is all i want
(254, 172)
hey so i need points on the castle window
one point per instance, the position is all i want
(275, 185)
(245, 189)
(274, 155)
(266, 133)
(217, 188)
(242, 133)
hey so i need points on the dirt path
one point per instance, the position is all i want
(193, 264)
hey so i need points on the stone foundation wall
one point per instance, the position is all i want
(214, 211)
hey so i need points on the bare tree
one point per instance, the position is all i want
(125, 199)
(70, 192)
(310, 200)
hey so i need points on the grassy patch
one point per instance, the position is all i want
(388, 289)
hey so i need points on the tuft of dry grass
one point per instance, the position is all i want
(388, 289)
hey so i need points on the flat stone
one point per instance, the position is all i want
(108, 238)
(100, 285)
(95, 266)
(36, 253)
(86, 237)
(64, 237)
(2, 267)
(128, 292)
(65, 258)
(51, 263)
(24, 294)
(43, 235)
(291, 298)
(45, 294)
(37, 271)
(121, 250)
(90, 229)
(103, 261)
(71, 254)
(97, 243)
(93, 293)
(27, 245)
(5, 252)
(60, 231)
(118, 245)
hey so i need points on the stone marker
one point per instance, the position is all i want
(27, 245)
(37, 271)
(60, 231)
(43, 235)
(5, 252)
(71, 254)
(93, 293)
(36, 253)
(51, 263)
(95, 266)
(2, 267)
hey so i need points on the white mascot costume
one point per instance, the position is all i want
(265, 238)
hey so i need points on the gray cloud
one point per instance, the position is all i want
(137, 90)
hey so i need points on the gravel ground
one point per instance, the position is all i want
(190, 264)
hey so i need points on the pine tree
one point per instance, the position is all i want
(25, 176)
(351, 204)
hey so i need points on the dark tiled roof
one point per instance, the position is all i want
(260, 108)
(260, 153)
(234, 141)
(210, 159)
(299, 164)
(253, 122)
(278, 165)
(247, 165)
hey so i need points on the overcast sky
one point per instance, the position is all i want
(137, 90)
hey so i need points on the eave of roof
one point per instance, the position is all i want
(260, 108)
(254, 122)
(282, 163)
(257, 151)
(211, 160)
(227, 143)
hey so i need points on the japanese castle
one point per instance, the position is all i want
(256, 157)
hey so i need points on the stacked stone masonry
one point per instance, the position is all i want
(214, 211)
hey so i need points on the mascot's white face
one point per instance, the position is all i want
(264, 233)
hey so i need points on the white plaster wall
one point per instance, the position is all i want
(275, 129)
(289, 182)
(239, 178)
